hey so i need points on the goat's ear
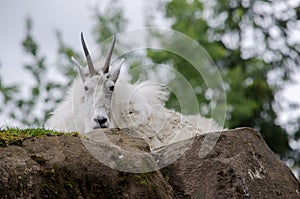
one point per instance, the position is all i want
(80, 69)
(114, 76)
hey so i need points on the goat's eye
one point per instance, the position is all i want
(86, 88)
(112, 88)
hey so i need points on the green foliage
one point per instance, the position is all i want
(109, 21)
(29, 44)
(7, 91)
(223, 28)
(34, 108)
(65, 64)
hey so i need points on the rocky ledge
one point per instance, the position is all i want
(119, 164)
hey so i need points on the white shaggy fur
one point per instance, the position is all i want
(139, 105)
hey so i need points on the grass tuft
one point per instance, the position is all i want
(15, 136)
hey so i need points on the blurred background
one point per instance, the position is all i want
(255, 45)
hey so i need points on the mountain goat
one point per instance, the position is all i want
(102, 99)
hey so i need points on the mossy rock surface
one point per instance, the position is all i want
(37, 163)
(16, 136)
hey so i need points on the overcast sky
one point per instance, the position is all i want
(67, 16)
(71, 18)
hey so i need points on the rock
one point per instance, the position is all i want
(240, 165)
(61, 167)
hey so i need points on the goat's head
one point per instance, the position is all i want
(98, 88)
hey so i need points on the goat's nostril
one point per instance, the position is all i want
(101, 120)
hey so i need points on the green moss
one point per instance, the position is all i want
(15, 136)
(58, 181)
(49, 174)
(143, 178)
(167, 178)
